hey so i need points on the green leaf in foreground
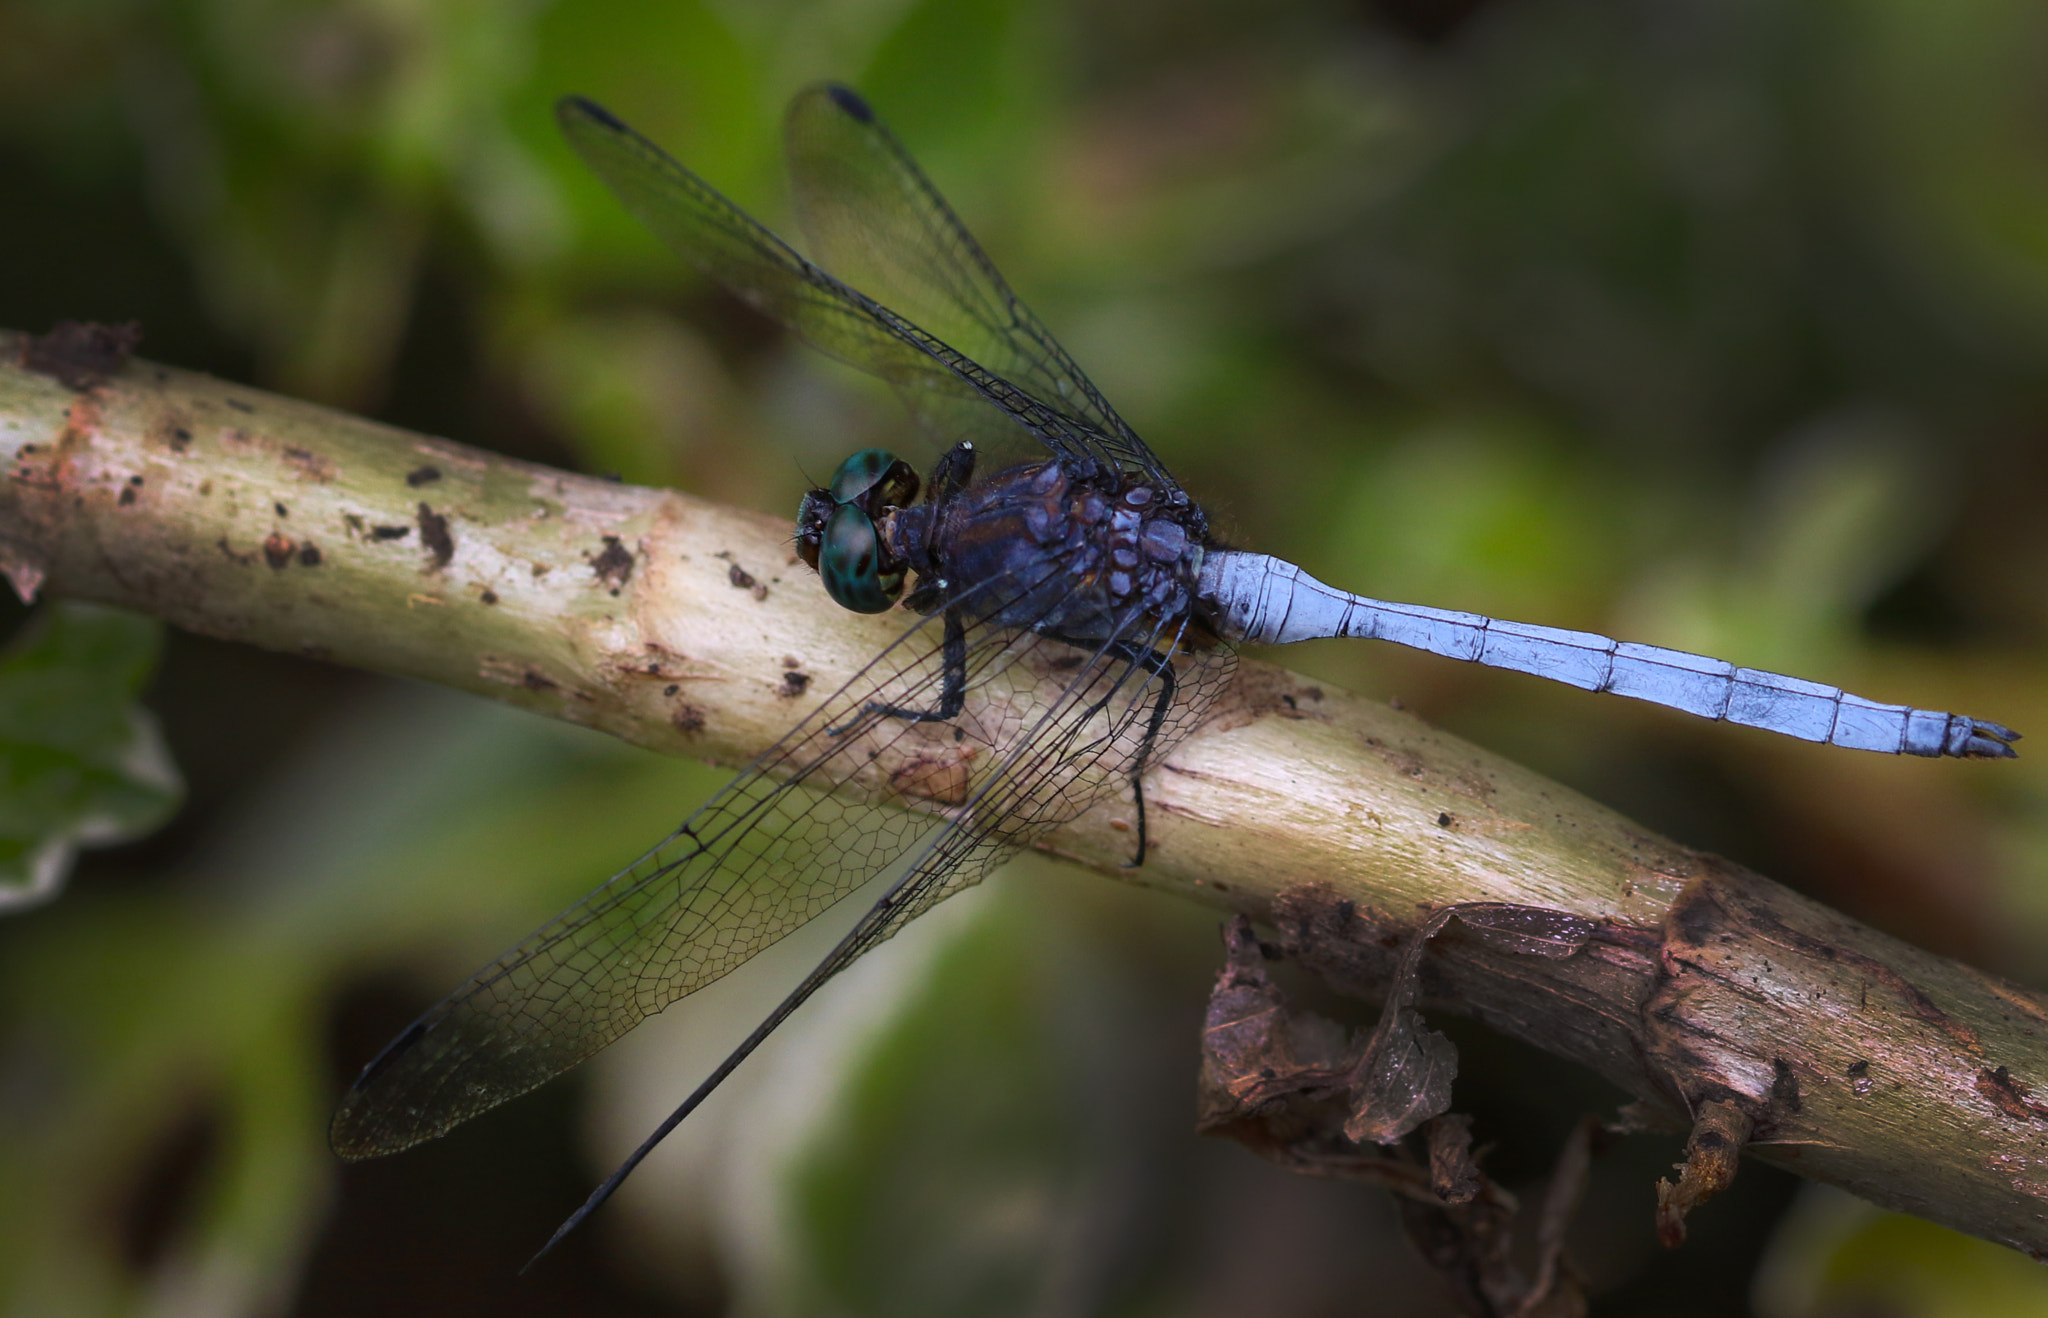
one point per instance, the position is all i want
(81, 763)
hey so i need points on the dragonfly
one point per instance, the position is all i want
(1068, 617)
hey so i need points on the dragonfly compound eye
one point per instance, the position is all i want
(850, 560)
(876, 479)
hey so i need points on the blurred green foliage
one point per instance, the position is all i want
(1836, 1255)
(1711, 323)
(81, 763)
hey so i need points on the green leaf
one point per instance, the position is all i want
(1836, 1254)
(81, 763)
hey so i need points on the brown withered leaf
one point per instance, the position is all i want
(1453, 1175)
(1289, 1087)
(1712, 1154)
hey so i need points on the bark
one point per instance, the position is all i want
(1695, 985)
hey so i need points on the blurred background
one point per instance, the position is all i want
(1719, 324)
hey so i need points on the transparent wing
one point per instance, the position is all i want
(1111, 712)
(784, 841)
(939, 382)
(874, 220)
(1102, 719)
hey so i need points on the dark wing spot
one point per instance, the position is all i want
(849, 100)
(569, 106)
(394, 1050)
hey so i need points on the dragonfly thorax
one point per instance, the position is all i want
(1047, 546)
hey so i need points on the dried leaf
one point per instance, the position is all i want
(1406, 1080)
(1452, 1173)
(1527, 930)
(1712, 1155)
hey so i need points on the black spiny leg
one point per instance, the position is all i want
(952, 683)
(950, 474)
(1160, 666)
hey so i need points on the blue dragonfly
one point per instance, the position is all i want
(1069, 616)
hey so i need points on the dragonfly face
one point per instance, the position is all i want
(837, 530)
(1069, 624)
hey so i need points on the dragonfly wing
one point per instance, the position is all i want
(1110, 717)
(1097, 727)
(874, 220)
(943, 385)
(791, 836)
(773, 849)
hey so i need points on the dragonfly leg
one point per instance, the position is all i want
(951, 474)
(1160, 666)
(952, 684)
(1168, 688)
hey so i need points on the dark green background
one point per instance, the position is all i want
(1720, 324)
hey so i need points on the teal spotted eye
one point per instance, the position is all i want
(850, 562)
(876, 479)
(836, 532)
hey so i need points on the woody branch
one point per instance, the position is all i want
(1702, 989)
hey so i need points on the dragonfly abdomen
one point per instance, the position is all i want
(1270, 601)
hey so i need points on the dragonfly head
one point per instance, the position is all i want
(836, 530)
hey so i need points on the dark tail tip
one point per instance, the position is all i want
(1990, 741)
